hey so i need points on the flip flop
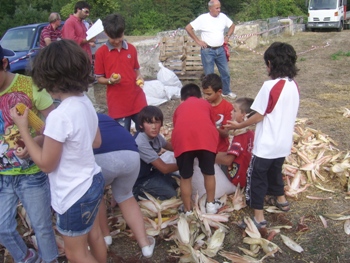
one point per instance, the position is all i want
(272, 200)
(260, 225)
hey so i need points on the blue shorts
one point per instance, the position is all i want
(80, 217)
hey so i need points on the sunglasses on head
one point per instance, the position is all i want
(85, 11)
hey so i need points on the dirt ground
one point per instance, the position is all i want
(323, 60)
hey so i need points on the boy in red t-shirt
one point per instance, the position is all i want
(116, 66)
(238, 156)
(212, 92)
(195, 136)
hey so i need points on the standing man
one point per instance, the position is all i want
(75, 29)
(51, 32)
(212, 25)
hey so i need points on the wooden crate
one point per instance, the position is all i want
(181, 55)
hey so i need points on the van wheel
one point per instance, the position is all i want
(340, 28)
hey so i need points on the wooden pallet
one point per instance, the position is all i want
(181, 55)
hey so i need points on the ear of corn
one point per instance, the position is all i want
(34, 121)
(115, 75)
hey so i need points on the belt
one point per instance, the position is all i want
(214, 47)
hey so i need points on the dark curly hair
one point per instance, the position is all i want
(62, 66)
(281, 58)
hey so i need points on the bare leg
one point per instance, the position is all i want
(259, 215)
(134, 218)
(102, 214)
(97, 243)
(76, 249)
(186, 192)
(210, 184)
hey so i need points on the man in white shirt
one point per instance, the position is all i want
(212, 26)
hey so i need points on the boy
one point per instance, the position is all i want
(125, 98)
(238, 156)
(212, 92)
(155, 175)
(276, 107)
(195, 136)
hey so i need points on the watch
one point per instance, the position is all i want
(109, 82)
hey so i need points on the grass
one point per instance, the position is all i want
(337, 55)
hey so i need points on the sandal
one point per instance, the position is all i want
(260, 225)
(272, 200)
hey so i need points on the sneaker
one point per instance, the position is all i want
(108, 240)
(147, 251)
(213, 207)
(231, 95)
(34, 257)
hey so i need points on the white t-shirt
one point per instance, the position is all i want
(212, 28)
(74, 123)
(278, 101)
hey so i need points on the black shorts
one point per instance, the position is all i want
(264, 177)
(206, 161)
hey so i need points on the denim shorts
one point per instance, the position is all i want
(79, 218)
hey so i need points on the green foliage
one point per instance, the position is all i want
(146, 16)
(262, 9)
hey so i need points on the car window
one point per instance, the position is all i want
(18, 39)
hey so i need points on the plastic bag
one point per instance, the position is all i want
(168, 77)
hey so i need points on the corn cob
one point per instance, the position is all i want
(115, 76)
(139, 82)
(34, 121)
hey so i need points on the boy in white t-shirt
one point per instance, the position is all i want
(276, 107)
(71, 132)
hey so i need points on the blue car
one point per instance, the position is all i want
(25, 42)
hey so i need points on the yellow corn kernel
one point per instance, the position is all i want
(34, 121)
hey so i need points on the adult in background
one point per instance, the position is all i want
(75, 29)
(51, 32)
(212, 26)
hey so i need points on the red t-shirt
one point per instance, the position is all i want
(241, 147)
(222, 112)
(124, 98)
(194, 127)
(75, 29)
(49, 32)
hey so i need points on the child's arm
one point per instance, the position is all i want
(168, 147)
(98, 140)
(163, 167)
(224, 158)
(234, 125)
(46, 157)
(223, 132)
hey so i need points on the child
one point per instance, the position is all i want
(20, 178)
(238, 156)
(66, 154)
(195, 136)
(125, 98)
(212, 92)
(276, 105)
(120, 162)
(155, 175)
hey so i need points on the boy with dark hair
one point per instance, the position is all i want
(276, 107)
(195, 136)
(116, 66)
(212, 92)
(238, 156)
(155, 175)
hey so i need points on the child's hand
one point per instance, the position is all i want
(232, 125)
(115, 78)
(22, 152)
(20, 120)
